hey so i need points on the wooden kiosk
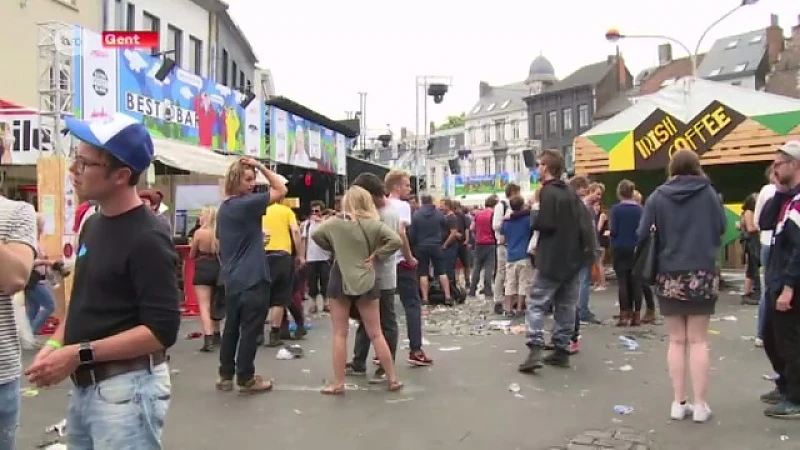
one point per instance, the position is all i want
(735, 131)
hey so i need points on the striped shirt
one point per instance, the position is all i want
(17, 224)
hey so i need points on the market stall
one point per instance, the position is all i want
(734, 130)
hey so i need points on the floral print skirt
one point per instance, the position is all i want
(687, 293)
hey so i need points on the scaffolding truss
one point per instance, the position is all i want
(55, 68)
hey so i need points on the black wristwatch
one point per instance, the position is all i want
(86, 353)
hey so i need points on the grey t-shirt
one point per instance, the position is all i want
(241, 242)
(386, 270)
(18, 225)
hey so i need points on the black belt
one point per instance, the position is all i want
(92, 374)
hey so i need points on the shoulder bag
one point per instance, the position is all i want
(645, 258)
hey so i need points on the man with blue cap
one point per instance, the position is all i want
(124, 310)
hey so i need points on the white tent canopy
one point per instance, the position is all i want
(194, 159)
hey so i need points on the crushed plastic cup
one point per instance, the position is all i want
(629, 343)
(514, 388)
(623, 409)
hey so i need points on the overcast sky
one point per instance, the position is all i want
(322, 53)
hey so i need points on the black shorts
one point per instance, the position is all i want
(281, 272)
(463, 254)
(427, 256)
(206, 271)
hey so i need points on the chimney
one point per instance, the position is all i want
(433, 128)
(775, 40)
(664, 54)
(622, 72)
(484, 89)
(403, 133)
(611, 58)
(796, 29)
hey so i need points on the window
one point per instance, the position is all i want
(500, 164)
(432, 181)
(130, 17)
(715, 72)
(552, 123)
(583, 116)
(537, 124)
(119, 15)
(736, 83)
(732, 44)
(514, 129)
(487, 164)
(473, 167)
(234, 73)
(196, 47)
(515, 163)
(152, 23)
(175, 42)
(491, 107)
(740, 67)
(757, 38)
(567, 119)
(224, 68)
(487, 134)
(477, 108)
(452, 143)
(242, 85)
(500, 130)
(505, 104)
(569, 159)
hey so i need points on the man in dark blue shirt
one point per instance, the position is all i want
(244, 271)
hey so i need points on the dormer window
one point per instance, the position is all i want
(740, 67)
(715, 72)
(505, 104)
(757, 38)
(732, 44)
(491, 107)
(476, 110)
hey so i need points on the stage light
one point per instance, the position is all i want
(166, 67)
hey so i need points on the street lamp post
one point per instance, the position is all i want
(613, 35)
(433, 86)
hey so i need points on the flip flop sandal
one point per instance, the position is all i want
(395, 386)
(332, 390)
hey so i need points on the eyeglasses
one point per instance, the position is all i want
(80, 164)
(314, 211)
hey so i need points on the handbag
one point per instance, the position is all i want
(645, 258)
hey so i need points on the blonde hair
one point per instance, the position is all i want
(393, 179)
(637, 196)
(234, 176)
(210, 223)
(358, 203)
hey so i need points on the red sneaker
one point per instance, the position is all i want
(574, 347)
(419, 359)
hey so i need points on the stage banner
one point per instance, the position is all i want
(481, 184)
(303, 143)
(188, 108)
(99, 77)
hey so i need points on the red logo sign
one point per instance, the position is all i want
(130, 39)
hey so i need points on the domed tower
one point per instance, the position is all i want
(540, 74)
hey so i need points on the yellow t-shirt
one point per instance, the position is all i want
(276, 223)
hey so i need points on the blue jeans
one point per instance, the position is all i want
(9, 414)
(585, 286)
(39, 304)
(762, 304)
(558, 297)
(125, 412)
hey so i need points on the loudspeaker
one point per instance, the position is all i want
(166, 67)
(455, 167)
(530, 158)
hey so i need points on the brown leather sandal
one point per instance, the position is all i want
(332, 390)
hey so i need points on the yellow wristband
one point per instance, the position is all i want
(54, 344)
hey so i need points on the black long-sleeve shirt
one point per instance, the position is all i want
(782, 214)
(125, 276)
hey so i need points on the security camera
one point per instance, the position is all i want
(385, 139)
(437, 91)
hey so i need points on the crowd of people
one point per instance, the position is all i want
(255, 263)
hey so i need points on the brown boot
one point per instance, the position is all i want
(649, 317)
(624, 319)
(636, 319)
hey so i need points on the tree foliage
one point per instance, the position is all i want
(452, 122)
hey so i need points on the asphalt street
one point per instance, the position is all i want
(466, 399)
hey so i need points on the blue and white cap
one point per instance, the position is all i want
(119, 134)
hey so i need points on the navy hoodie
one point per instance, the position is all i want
(427, 224)
(690, 221)
(782, 214)
(517, 230)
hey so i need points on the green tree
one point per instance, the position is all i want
(452, 122)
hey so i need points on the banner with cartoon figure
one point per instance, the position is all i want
(481, 184)
(300, 142)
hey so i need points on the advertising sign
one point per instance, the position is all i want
(300, 142)
(21, 137)
(660, 135)
(183, 106)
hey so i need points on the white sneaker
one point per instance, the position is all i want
(759, 342)
(702, 413)
(679, 411)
